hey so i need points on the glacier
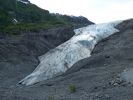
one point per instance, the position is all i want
(60, 59)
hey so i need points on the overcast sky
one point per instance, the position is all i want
(98, 11)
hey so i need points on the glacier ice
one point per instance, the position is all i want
(58, 60)
(127, 75)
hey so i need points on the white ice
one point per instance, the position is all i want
(59, 60)
(23, 2)
(127, 75)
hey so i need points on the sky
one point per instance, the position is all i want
(98, 11)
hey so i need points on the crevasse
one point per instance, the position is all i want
(59, 60)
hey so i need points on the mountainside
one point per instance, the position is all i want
(16, 16)
(95, 78)
(71, 65)
(26, 32)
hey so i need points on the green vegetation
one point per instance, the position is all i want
(16, 29)
(72, 88)
(51, 98)
(31, 18)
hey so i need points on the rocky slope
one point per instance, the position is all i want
(19, 53)
(94, 78)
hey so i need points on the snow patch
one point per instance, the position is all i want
(59, 60)
(127, 75)
(14, 21)
(25, 2)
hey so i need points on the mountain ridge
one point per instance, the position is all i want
(16, 16)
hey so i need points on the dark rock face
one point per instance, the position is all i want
(19, 54)
(95, 78)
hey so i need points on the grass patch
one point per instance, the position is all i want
(16, 29)
(51, 98)
(72, 88)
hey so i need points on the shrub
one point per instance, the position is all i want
(72, 88)
(51, 98)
